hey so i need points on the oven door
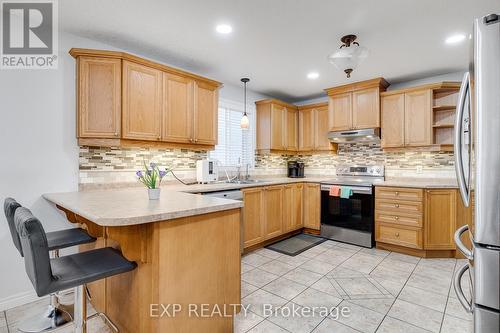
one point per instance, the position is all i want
(348, 220)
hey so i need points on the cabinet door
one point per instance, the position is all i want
(278, 115)
(306, 130)
(393, 121)
(252, 216)
(273, 202)
(142, 90)
(99, 97)
(288, 211)
(298, 206)
(340, 108)
(366, 108)
(178, 104)
(321, 129)
(292, 130)
(205, 113)
(440, 219)
(312, 198)
(418, 118)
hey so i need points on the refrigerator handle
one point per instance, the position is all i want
(457, 285)
(459, 167)
(465, 251)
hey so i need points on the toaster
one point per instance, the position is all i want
(206, 171)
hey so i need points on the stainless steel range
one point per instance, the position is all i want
(351, 219)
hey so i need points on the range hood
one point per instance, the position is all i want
(351, 136)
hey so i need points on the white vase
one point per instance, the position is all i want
(154, 193)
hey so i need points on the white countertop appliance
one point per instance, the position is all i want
(206, 171)
(477, 163)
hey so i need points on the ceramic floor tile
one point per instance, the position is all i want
(397, 265)
(95, 324)
(277, 267)
(303, 276)
(247, 289)
(332, 326)
(260, 298)
(349, 246)
(360, 318)
(313, 252)
(255, 260)
(380, 305)
(294, 261)
(342, 272)
(246, 267)
(416, 315)
(437, 273)
(360, 286)
(361, 262)
(389, 273)
(442, 264)
(244, 321)
(268, 253)
(455, 325)
(403, 257)
(325, 285)
(315, 298)
(331, 258)
(391, 325)
(375, 252)
(394, 287)
(4, 329)
(290, 318)
(455, 309)
(285, 288)
(425, 298)
(440, 286)
(14, 315)
(317, 266)
(267, 327)
(3, 321)
(258, 277)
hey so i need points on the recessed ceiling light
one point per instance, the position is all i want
(224, 29)
(454, 39)
(313, 75)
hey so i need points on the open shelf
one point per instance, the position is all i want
(443, 125)
(443, 117)
(444, 107)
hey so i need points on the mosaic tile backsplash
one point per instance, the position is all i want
(101, 165)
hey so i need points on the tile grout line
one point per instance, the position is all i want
(447, 298)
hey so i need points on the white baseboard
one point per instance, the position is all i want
(18, 299)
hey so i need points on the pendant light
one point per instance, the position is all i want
(245, 122)
(349, 55)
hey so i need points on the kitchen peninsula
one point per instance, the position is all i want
(187, 248)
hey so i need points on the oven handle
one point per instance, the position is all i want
(355, 189)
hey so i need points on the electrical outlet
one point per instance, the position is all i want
(420, 169)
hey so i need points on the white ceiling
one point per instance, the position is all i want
(276, 43)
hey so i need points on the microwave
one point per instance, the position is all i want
(206, 171)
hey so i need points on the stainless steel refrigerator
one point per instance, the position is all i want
(477, 163)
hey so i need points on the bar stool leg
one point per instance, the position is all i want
(80, 310)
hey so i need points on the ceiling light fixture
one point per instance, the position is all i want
(245, 122)
(455, 39)
(224, 29)
(313, 75)
(349, 55)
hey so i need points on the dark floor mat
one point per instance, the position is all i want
(296, 244)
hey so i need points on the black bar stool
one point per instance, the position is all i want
(71, 271)
(55, 316)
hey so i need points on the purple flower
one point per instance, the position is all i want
(139, 174)
(162, 173)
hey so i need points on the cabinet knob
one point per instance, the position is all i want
(116, 133)
(396, 217)
(397, 193)
(397, 234)
(195, 140)
(191, 140)
(159, 137)
(396, 205)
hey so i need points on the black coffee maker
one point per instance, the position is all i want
(295, 169)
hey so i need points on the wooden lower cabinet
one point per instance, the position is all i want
(312, 206)
(273, 211)
(292, 207)
(253, 216)
(417, 219)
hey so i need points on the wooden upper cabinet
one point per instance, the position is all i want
(292, 129)
(278, 115)
(99, 97)
(366, 108)
(340, 112)
(205, 113)
(273, 211)
(142, 94)
(253, 216)
(321, 129)
(306, 130)
(356, 105)
(393, 121)
(440, 219)
(418, 118)
(178, 107)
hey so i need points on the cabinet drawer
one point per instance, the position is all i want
(408, 237)
(399, 193)
(398, 218)
(399, 206)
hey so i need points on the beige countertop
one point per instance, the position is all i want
(121, 207)
(420, 183)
